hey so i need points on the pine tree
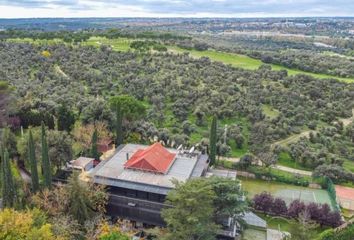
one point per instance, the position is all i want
(212, 141)
(47, 174)
(94, 150)
(33, 163)
(8, 187)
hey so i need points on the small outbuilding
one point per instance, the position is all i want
(82, 163)
(105, 145)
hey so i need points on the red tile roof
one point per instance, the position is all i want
(155, 158)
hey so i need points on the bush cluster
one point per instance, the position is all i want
(320, 213)
(262, 173)
(343, 234)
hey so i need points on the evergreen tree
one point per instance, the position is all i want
(8, 186)
(33, 163)
(5, 92)
(127, 108)
(192, 216)
(80, 205)
(119, 126)
(212, 141)
(47, 174)
(66, 119)
(1, 167)
(94, 151)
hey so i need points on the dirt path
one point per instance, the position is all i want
(230, 159)
(293, 170)
(60, 71)
(24, 175)
(292, 138)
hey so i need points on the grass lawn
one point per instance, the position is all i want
(348, 165)
(243, 61)
(280, 173)
(253, 234)
(286, 161)
(293, 138)
(269, 111)
(203, 131)
(284, 224)
(237, 152)
(117, 44)
(245, 126)
(348, 214)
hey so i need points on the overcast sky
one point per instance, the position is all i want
(174, 8)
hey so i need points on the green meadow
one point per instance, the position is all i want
(117, 44)
(243, 61)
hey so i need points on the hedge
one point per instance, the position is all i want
(271, 174)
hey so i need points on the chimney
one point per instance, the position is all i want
(127, 156)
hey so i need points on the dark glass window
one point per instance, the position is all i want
(142, 195)
(154, 197)
(131, 193)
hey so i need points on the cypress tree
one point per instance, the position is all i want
(212, 141)
(33, 163)
(94, 150)
(1, 167)
(128, 108)
(80, 206)
(8, 187)
(119, 126)
(47, 174)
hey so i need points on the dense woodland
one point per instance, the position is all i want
(180, 94)
(312, 62)
(60, 99)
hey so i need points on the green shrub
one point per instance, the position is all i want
(114, 236)
(271, 174)
(344, 234)
(278, 176)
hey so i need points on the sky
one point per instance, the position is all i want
(174, 8)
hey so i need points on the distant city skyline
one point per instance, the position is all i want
(175, 8)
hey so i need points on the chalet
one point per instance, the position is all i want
(139, 178)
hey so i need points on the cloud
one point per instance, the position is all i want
(179, 8)
(38, 3)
